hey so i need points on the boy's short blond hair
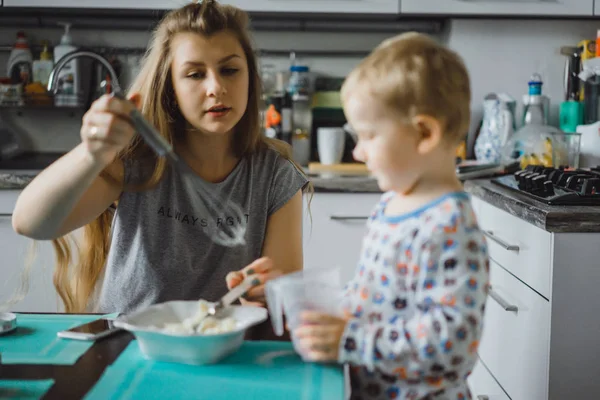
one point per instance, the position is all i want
(413, 74)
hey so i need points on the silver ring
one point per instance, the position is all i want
(93, 131)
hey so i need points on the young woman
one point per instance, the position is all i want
(199, 86)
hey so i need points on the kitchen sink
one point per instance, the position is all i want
(30, 161)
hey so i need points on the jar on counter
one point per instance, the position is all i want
(299, 83)
(301, 147)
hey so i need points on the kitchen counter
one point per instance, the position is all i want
(557, 219)
(328, 183)
(16, 173)
(15, 180)
(18, 179)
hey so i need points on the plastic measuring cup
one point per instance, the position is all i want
(290, 295)
(313, 289)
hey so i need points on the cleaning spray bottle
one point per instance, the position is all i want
(20, 61)
(69, 76)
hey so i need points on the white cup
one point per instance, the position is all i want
(330, 144)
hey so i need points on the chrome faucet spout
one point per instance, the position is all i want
(52, 80)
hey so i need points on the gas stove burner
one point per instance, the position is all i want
(556, 186)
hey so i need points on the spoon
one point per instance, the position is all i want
(229, 298)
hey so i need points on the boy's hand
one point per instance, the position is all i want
(319, 335)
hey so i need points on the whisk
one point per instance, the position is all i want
(229, 233)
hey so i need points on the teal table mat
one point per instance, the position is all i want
(35, 341)
(26, 389)
(258, 371)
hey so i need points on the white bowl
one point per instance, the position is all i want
(195, 349)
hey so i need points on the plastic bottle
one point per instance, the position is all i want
(43, 67)
(536, 105)
(282, 105)
(299, 84)
(68, 93)
(20, 61)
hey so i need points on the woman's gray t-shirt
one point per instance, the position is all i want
(159, 251)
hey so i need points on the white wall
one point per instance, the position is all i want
(500, 55)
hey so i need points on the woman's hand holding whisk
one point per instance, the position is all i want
(107, 128)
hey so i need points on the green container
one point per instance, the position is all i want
(570, 115)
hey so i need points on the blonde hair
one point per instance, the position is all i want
(414, 75)
(75, 286)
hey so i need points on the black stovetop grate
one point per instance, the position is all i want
(555, 186)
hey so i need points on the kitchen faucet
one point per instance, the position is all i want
(146, 130)
(52, 85)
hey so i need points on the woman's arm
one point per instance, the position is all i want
(72, 192)
(282, 250)
(283, 239)
(65, 196)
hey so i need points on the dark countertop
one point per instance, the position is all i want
(16, 174)
(344, 184)
(15, 180)
(75, 381)
(557, 219)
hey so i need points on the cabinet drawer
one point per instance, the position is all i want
(499, 7)
(515, 344)
(334, 229)
(483, 386)
(145, 5)
(19, 252)
(522, 248)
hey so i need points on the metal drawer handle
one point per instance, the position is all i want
(347, 218)
(483, 397)
(506, 246)
(503, 303)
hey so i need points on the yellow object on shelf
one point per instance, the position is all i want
(36, 94)
(587, 51)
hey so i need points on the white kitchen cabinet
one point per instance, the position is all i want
(333, 233)
(483, 385)
(15, 253)
(499, 7)
(511, 334)
(540, 329)
(320, 6)
(110, 4)
(597, 7)
(523, 249)
(280, 6)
